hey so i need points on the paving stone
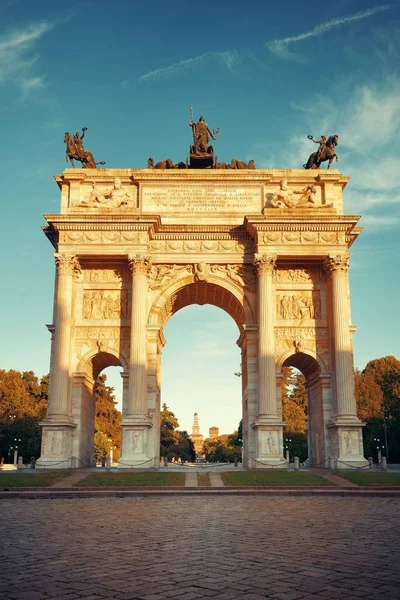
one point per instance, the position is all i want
(231, 547)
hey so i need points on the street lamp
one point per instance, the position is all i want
(287, 442)
(111, 449)
(379, 449)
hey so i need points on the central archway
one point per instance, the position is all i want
(219, 293)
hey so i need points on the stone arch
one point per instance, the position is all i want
(94, 361)
(216, 291)
(312, 366)
(83, 400)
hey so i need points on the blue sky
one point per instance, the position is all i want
(267, 74)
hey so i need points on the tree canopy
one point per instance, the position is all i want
(174, 444)
(107, 421)
(23, 404)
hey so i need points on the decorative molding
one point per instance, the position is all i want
(301, 333)
(139, 263)
(294, 275)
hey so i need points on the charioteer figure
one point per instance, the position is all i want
(201, 153)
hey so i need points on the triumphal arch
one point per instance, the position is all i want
(270, 247)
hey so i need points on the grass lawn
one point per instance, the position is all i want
(132, 479)
(203, 479)
(266, 478)
(368, 478)
(8, 480)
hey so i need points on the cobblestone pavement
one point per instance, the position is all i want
(200, 547)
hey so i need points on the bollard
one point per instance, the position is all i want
(74, 462)
(384, 463)
(332, 464)
(33, 462)
(108, 463)
(165, 462)
(370, 462)
(20, 462)
(235, 460)
(296, 463)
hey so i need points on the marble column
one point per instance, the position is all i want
(337, 268)
(59, 405)
(136, 420)
(57, 428)
(268, 425)
(266, 341)
(345, 428)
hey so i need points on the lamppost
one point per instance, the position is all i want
(15, 448)
(111, 449)
(379, 449)
(287, 442)
(385, 434)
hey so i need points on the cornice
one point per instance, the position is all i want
(258, 176)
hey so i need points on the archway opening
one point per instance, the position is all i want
(108, 392)
(198, 373)
(302, 408)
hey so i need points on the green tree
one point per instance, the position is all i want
(168, 435)
(23, 404)
(236, 439)
(294, 401)
(377, 391)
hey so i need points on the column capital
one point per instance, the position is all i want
(139, 263)
(67, 264)
(337, 263)
(265, 263)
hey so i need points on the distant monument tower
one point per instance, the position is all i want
(214, 433)
(196, 436)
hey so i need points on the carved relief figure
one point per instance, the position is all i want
(286, 198)
(271, 443)
(201, 271)
(105, 305)
(159, 275)
(299, 306)
(116, 197)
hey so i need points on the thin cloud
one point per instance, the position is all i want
(17, 57)
(280, 46)
(228, 59)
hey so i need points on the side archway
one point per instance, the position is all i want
(318, 388)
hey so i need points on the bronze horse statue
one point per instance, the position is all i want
(327, 152)
(83, 156)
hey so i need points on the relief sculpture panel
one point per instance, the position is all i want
(105, 304)
(306, 305)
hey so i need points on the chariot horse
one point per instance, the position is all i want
(328, 153)
(72, 153)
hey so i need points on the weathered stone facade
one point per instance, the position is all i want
(134, 246)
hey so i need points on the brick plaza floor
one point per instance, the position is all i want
(199, 547)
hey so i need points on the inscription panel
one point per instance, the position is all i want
(202, 199)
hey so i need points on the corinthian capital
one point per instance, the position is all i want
(265, 263)
(337, 263)
(67, 264)
(139, 263)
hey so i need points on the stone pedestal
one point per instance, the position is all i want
(56, 448)
(269, 444)
(347, 445)
(134, 445)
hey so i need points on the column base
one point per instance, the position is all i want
(346, 440)
(135, 444)
(56, 449)
(269, 443)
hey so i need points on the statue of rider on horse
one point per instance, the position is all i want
(326, 151)
(76, 151)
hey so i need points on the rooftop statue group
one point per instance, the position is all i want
(201, 151)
